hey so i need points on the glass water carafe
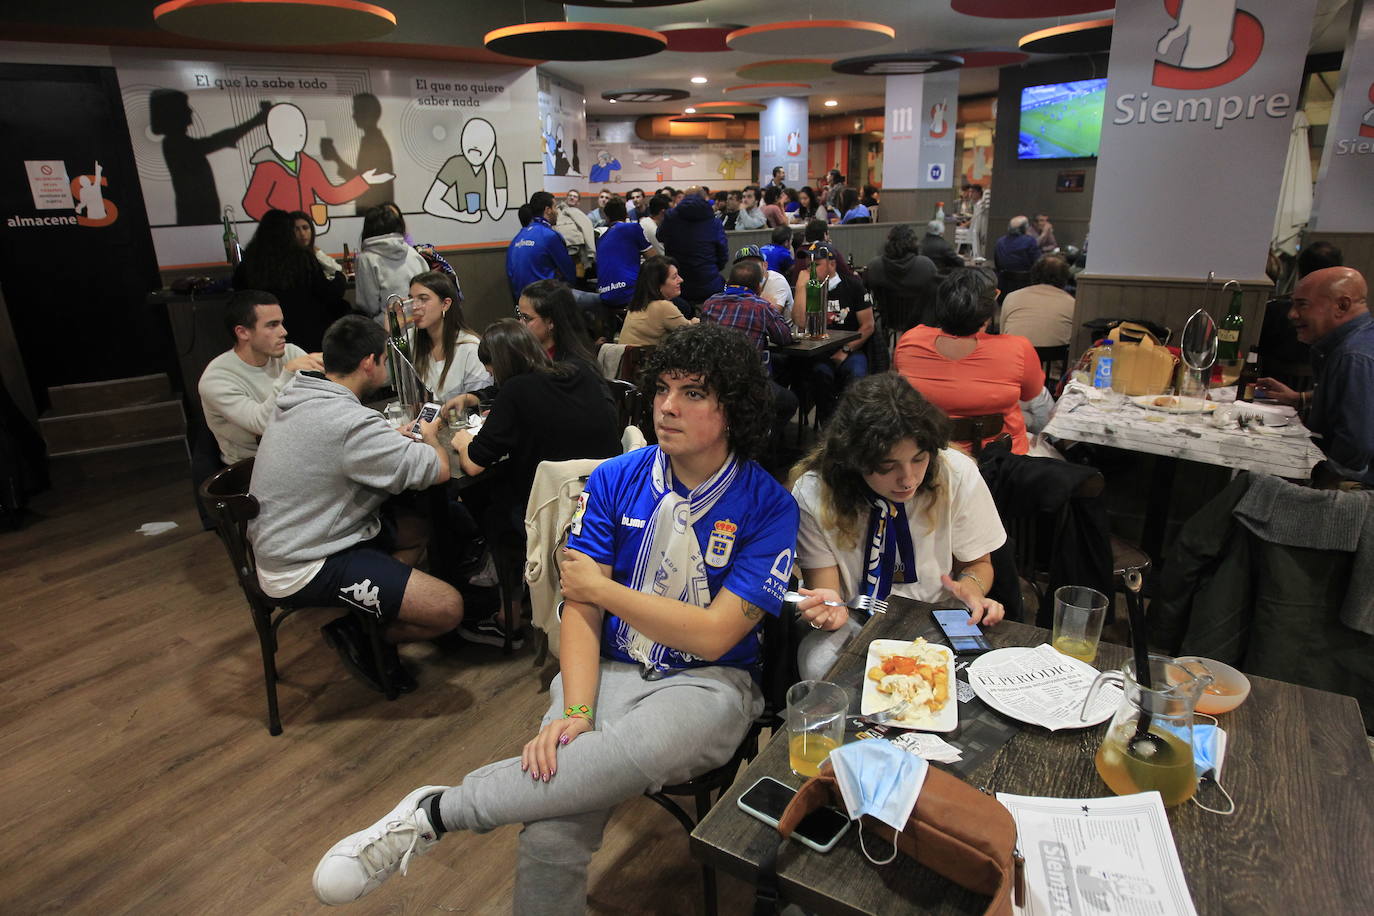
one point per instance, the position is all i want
(1149, 744)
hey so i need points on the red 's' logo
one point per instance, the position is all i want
(1219, 43)
(1367, 122)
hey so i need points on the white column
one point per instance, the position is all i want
(1344, 200)
(783, 139)
(918, 139)
(1198, 110)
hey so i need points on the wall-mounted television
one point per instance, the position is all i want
(1061, 120)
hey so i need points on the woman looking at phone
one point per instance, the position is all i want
(887, 508)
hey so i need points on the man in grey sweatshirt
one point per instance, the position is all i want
(323, 537)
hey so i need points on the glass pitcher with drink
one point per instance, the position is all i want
(815, 305)
(1149, 744)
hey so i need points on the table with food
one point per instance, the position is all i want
(1097, 762)
(1244, 436)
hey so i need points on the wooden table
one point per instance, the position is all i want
(808, 348)
(1297, 764)
(1117, 423)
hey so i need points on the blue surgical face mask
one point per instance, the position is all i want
(878, 778)
(1209, 752)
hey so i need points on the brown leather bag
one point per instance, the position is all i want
(954, 830)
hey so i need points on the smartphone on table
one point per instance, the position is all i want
(427, 415)
(965, 636)
(820, 830)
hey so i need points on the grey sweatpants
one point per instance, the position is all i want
(648, 734)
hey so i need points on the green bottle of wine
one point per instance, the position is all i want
(815, 304)
(1228, 335)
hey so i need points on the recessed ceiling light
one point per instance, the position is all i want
(831, 103)
(698, 79)
(689, 111)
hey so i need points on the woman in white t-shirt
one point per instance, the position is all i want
(444, 348)
(888, 509)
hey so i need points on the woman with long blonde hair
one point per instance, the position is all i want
(887, 508)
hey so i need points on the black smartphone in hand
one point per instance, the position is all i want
(965, 637)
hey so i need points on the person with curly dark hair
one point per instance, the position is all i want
(888, 508)
(645, 596)
(276, 262)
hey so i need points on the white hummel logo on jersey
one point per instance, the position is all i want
(364, 593)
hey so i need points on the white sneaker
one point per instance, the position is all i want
(358, 864)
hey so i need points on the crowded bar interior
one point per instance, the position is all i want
(687, 456)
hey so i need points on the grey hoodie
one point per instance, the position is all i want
(385, 266)
(325, 465)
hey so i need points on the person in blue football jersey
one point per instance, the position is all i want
(676, 554)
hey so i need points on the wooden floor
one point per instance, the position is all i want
(139, 776)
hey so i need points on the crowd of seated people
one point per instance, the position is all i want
(887, 502)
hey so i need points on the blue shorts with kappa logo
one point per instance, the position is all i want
(365, 577)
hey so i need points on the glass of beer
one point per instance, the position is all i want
(815, 723)
(1078, 615)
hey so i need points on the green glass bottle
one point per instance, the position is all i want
(815, 304)
(398, 338)
(1228, 335)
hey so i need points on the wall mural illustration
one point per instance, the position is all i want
(457, 147)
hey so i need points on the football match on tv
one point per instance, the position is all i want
(1061, 120)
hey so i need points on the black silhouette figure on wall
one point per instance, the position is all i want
(193, 181)
(373, 153)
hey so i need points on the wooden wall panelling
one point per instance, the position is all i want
(1357, 248)
(1165, 300)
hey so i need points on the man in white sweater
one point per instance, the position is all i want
(239, 388)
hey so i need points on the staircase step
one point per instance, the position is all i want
(116, 465)
(95, 431)
(109, 394)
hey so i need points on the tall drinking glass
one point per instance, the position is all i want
(815, 723)
(1078, 615)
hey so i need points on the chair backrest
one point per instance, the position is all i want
(632, 363)
(974, 430)
(226, 499)
(631, 409)
(1051, 355)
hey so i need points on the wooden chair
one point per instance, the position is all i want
(1051, 355)
(974, 430)
(227, 501)
(631, 409)
(779, 650)
(632, 363)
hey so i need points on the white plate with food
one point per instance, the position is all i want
(919, 672)
(1172, 403)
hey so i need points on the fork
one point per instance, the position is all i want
(866, 603)
(883, 716)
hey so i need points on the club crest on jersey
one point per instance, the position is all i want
(722, 541)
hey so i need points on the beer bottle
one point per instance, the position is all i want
(1249, 375)
(1228, 335)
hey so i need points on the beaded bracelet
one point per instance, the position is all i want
(969, 575)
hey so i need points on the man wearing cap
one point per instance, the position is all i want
(740, 306)
(846, 309)
(776, 289)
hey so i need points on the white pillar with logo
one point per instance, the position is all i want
(1198, 109)
(783, 139)
(918, 139)
(1344, 200)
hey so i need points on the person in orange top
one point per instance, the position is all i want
(964, 370)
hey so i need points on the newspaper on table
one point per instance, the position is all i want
(1044, 687)
(1098, 855)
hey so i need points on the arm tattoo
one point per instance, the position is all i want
(751, 612)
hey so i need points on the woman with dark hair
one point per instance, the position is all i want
(806, 205)
(887, 508)
(652, 313)
(305, 235)
(854, 212)
(901, 280)
(386, 261)
(274, 261)
(964, 370)
(547, 307)
(544, 411)
(789, 201)
(444, 347)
